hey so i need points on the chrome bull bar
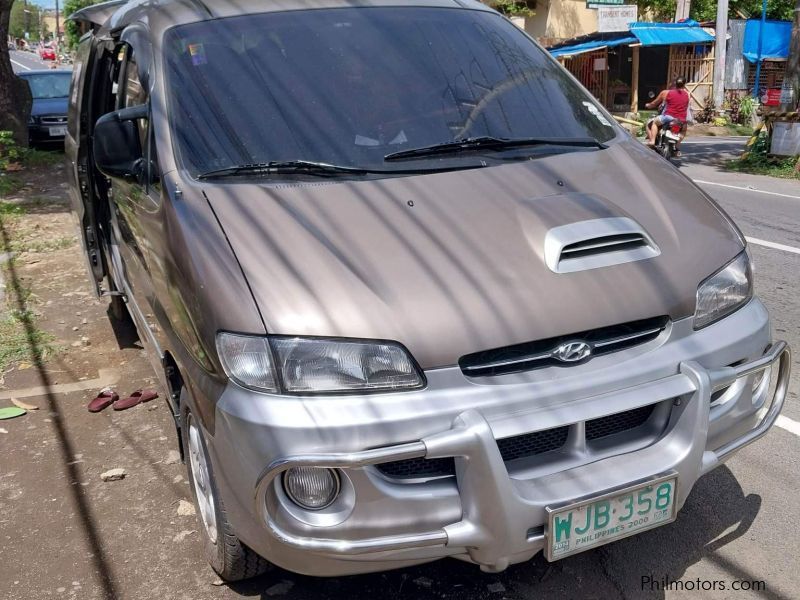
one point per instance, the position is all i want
(491, 516)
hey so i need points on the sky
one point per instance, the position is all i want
(46, 3)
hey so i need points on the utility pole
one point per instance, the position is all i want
(792, 80)
(682, 10)
(720, 51)
(58, 29)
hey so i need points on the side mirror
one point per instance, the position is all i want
(117, 148)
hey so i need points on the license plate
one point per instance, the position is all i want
(672, 136)
(612, 516)
(58, 131)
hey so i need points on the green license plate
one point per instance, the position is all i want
(612, 516)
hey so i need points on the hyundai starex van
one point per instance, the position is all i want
(413, 292)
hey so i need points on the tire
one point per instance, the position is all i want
(227, 555)
(666, 151)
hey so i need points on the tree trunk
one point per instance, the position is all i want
(15, 95)
(793, 64)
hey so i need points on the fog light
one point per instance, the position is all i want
(312, 488)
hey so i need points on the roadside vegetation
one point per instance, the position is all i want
(21, 341)
(758, 161)
(14, 159)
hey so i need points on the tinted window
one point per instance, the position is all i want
(348, 86)
(81, 55)
(49, 85)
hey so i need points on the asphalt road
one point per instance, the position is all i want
(30, 61)
(125, 539)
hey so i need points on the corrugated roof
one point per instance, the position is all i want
(593, 45)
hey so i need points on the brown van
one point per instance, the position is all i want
(413, 293)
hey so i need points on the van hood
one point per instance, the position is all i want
(453, 263)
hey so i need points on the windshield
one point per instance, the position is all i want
(49, 85)
(348, 86)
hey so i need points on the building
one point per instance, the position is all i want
(557, 20)
(625, 69)
(550, 21)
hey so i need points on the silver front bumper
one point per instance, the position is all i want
(499, 513)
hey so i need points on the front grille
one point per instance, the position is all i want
(613, 424)
(530, 444)
(418, 467)
(54, 120)
(539, 354)
(521, 446)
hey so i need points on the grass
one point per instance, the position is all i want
(737, 129)
(34, 157)
(9, 185)
(20, 338)
(46, 245)
(18, 345)
(10, 208)
(756, 165)
(758, 162)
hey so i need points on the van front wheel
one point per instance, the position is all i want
(229, 558)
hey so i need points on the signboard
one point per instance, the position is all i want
(785, 139)
(771, 97)
(616, 18)
(787, 93)
(599, 3)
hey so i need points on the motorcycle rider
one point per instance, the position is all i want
(676, 107)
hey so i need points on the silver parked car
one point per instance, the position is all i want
(413, 293)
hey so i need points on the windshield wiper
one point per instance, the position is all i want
(286, 166)
(492, 143)
(320, 169)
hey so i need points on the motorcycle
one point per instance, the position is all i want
(667, 139)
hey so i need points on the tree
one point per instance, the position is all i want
(72, 31)
(793, 64)
(706, 10)
(15, 95)
(22, 21)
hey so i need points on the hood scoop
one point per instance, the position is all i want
(597, 243)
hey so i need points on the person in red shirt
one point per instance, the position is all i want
(676, 107)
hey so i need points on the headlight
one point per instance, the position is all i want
(247, 360)
(724, 292)
(32, 120)
(299, 365)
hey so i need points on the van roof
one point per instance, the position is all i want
(162, 14)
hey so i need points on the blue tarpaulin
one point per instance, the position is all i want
(646, 34)
(666, 34)
(593, 45)
(775, 41)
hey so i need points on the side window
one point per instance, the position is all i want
(133, 94)
(76, 93)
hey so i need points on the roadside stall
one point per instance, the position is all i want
(622, 70)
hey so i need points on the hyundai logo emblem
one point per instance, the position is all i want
(572, 351)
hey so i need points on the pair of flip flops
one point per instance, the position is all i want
(108, 397)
